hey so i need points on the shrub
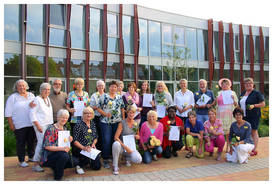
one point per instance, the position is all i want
(263, 130)
(9, 141)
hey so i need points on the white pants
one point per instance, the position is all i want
(240, 153)
(117, 149)
(40, 138)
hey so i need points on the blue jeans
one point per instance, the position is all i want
(107, 132)
(202, 118)
(147, 156)
(58, 161)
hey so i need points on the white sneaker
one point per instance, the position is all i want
(79, 170)
(30, 159)
(37, 168)
(23, 164)
(128, 163)
(115, 170)
(155, 158)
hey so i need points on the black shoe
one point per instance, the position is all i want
(174, 153)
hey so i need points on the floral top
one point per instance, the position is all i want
(50, 139)
(94, 101)
(114, 106)
(72, 96)
(217, 126)
(84, 135)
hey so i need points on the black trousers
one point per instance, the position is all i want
(99, 142)
(83, 160)
(58, 161)
(25, 135)
(176, 145)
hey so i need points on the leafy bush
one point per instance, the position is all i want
(9, 141)
(263, 130)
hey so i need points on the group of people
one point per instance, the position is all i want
(102, 120)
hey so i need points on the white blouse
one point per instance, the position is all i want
(183, 100)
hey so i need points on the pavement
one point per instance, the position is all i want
(173, 169)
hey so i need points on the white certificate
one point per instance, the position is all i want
(129, 141)
(227, 99)
(63, 138)
(161, 111)
(147, 98)
(92, 154)
(78, 106)
(136, 113)
(203, 100)
(174, 133)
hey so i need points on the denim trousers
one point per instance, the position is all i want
(147, 156)
(202, 118)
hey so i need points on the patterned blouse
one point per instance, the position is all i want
(114, 106)
(50, 139)
(94, 101)
(217, 126)
(72, 96)
(84, 135)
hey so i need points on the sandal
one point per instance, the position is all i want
(253, 153)
(189, 155)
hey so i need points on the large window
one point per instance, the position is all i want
(95, 36)
(113, 34)
(155, 72)
(129, 71)
(202, 40)
(143, 72)
(247, 49)
(56, 67)
(257, 48)
(216, 46)
(227, 49)
(57, 15)
(77, 68)
(12, 64)
(35, 23)
(143, 37)
(191, 43)
(266, 49)
(35, 66)
(95, 69)
(154, 39)
(128, 34)
(237, 47)
(77, 26)
(112, 70)
(167, 40)
(12, 22)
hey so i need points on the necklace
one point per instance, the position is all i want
(46, 101)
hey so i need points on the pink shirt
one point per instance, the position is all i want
(217, 126)
(145, 132)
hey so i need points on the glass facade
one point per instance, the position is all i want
(143, 37)
(128, 34)
(12, 23)
(95, 36)
(77, 26)
(154, 39)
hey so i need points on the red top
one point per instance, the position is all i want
(178, 122)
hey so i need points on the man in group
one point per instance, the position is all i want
(57, 98)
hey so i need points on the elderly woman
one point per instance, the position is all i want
(85, 138)
(127, 127)
(240, 139)
(204, 99)
(195, 131)
(77, 96)
(132, 98)
(162, 95)
(171, 147)
(17, 113)
(41, 116)
(94, 101)
(251, 102)
(120, 88)
(214, 134)
(224, 111)
(151, 128)
(111, 107)
(54, 156)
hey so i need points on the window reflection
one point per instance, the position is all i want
(167, 34)
(204, 73)
(95, 35)
(77, 26)
(266, 49)
(192, 74)
(57, 37)
(143, 72)
(181, 72)
(56, 67)
(95, 69)
(247, 49)
(112, 70)
(77, 68)
(202, 39)
(154, 39)
(12, 64)
(155, 72)
(129, 71)
(34, 85)
(191, 43)
(35, 66)
(35, 23)
(12, 23)
(113, 45)
(168, 73)
(57, 14)
(227, 50)
(216, 46)
(113, 41)
(143, 50)
(128, 34)
(180, 36)
(257, 48)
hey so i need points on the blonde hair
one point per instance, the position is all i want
(248, 80)
(165, 89)
(88, 109)
(131, 108)
(78, 81)
(152, 112)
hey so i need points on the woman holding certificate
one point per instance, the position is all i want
(85, 139)
(55, 156)
(77, 100)
(131, 98)
(127, 130)
(172, 125)
(226, 101)
(163, 99)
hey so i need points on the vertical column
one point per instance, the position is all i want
(23, 43)
(221, 49)
(261, 60)
(47, 23)
(231, 48)
(68, 47)
(241, 37)
(136, 43)
(121, 44)
(87, 47)
(251, 47)
(210, 50)
(104, 40)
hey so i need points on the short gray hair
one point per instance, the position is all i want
(184, 80)
(56, 80)
(62, 112)
(17, 82)
(203, 80)
(100, 82)
(44, 85)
